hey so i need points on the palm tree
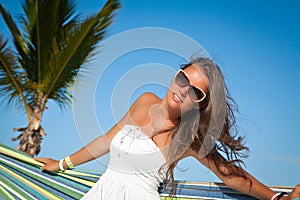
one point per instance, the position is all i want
(49, 49)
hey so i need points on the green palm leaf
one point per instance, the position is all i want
(72, 48)
(43, 20)
(51, 52)
(18, 40)
(12, 82)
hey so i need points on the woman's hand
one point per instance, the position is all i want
(50, 164)
(295, 193)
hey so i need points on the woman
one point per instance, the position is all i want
(195, 118)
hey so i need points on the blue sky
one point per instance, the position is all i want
(257, 45)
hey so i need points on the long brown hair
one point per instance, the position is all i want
(209, 130)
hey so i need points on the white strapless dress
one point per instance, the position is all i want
(134, 171)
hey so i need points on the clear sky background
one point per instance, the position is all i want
(257, 45)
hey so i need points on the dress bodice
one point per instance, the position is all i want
(131, 151)
(135, 170)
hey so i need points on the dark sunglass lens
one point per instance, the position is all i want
(181, 79)
(195, 93)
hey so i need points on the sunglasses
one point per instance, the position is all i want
(195, 93)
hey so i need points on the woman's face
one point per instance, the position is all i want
(179, 98)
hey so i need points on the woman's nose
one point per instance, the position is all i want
(184, 91)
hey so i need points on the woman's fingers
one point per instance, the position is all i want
(50, 164)
(40, 160)
(295, 193)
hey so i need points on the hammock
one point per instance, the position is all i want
(21, 178)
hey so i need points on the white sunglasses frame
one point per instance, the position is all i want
(196, 101)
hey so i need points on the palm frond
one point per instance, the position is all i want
(43, 20)
(73, 47)
(19, 42)
(12, 77)
(53, 45)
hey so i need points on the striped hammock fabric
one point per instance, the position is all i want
(21, 178)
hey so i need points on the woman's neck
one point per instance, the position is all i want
(171, 116)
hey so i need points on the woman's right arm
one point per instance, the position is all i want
(93, 150)
(100, 145)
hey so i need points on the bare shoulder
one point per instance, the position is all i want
(146, 99)
(137, 114)
(139, 110)
(149, 97)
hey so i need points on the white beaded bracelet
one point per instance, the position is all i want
(274, 196)
(61, 166)
(278, 196)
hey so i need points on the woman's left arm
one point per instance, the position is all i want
(257, 189)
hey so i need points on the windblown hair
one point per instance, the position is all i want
(209, 130)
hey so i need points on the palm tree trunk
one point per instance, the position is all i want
(31, 136)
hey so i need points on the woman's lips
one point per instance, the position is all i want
(176, 98)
